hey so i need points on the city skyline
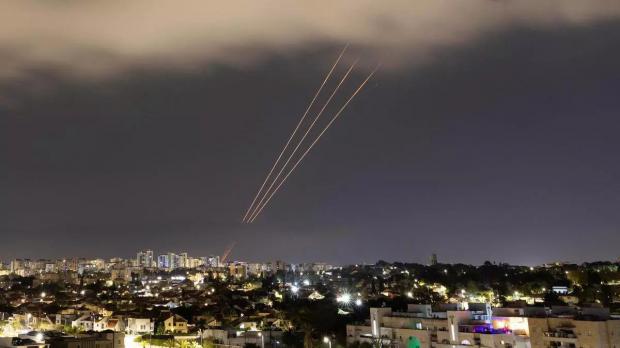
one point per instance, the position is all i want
(494, 137)
(150, 258)
(127, 303)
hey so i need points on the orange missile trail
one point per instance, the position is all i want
(294, 132)
(227, 252)
(292, 154)
(260, 209)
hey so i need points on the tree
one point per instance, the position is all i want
(3, 324)
(208, 344)
(184, 344)
(292, 339)
(159, 328)
(71, 330)
(313, 318)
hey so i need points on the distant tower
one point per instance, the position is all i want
(163, 261)
(183, 260)
(433, 259)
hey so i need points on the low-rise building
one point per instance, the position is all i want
(115, 324)
(242, 338)
(175, 324)
(16, 342)
(84, 323)
(100, 340)
(139, 326)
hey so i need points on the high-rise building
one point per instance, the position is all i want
(238, 270)
(145, 258)
(163, 261)
(17, 265)
(211, 261)
(194, 262)
(276, 266)
(183, 260)
(433, 259)
(174, 261)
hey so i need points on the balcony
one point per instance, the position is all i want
(561, 336)
(448, 345)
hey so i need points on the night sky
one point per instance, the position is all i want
(501, 144)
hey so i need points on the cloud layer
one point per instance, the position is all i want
(102, 38)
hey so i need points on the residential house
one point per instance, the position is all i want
(84, 323)
(175, 324)
(115, 324)
(139, 326)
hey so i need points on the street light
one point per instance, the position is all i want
(328, 341)
(344, 298)
(262, 340)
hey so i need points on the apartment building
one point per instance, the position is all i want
(567, 327)
(477, 325)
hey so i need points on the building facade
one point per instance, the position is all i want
(480, 326)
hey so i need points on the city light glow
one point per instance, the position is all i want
(344, 298)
